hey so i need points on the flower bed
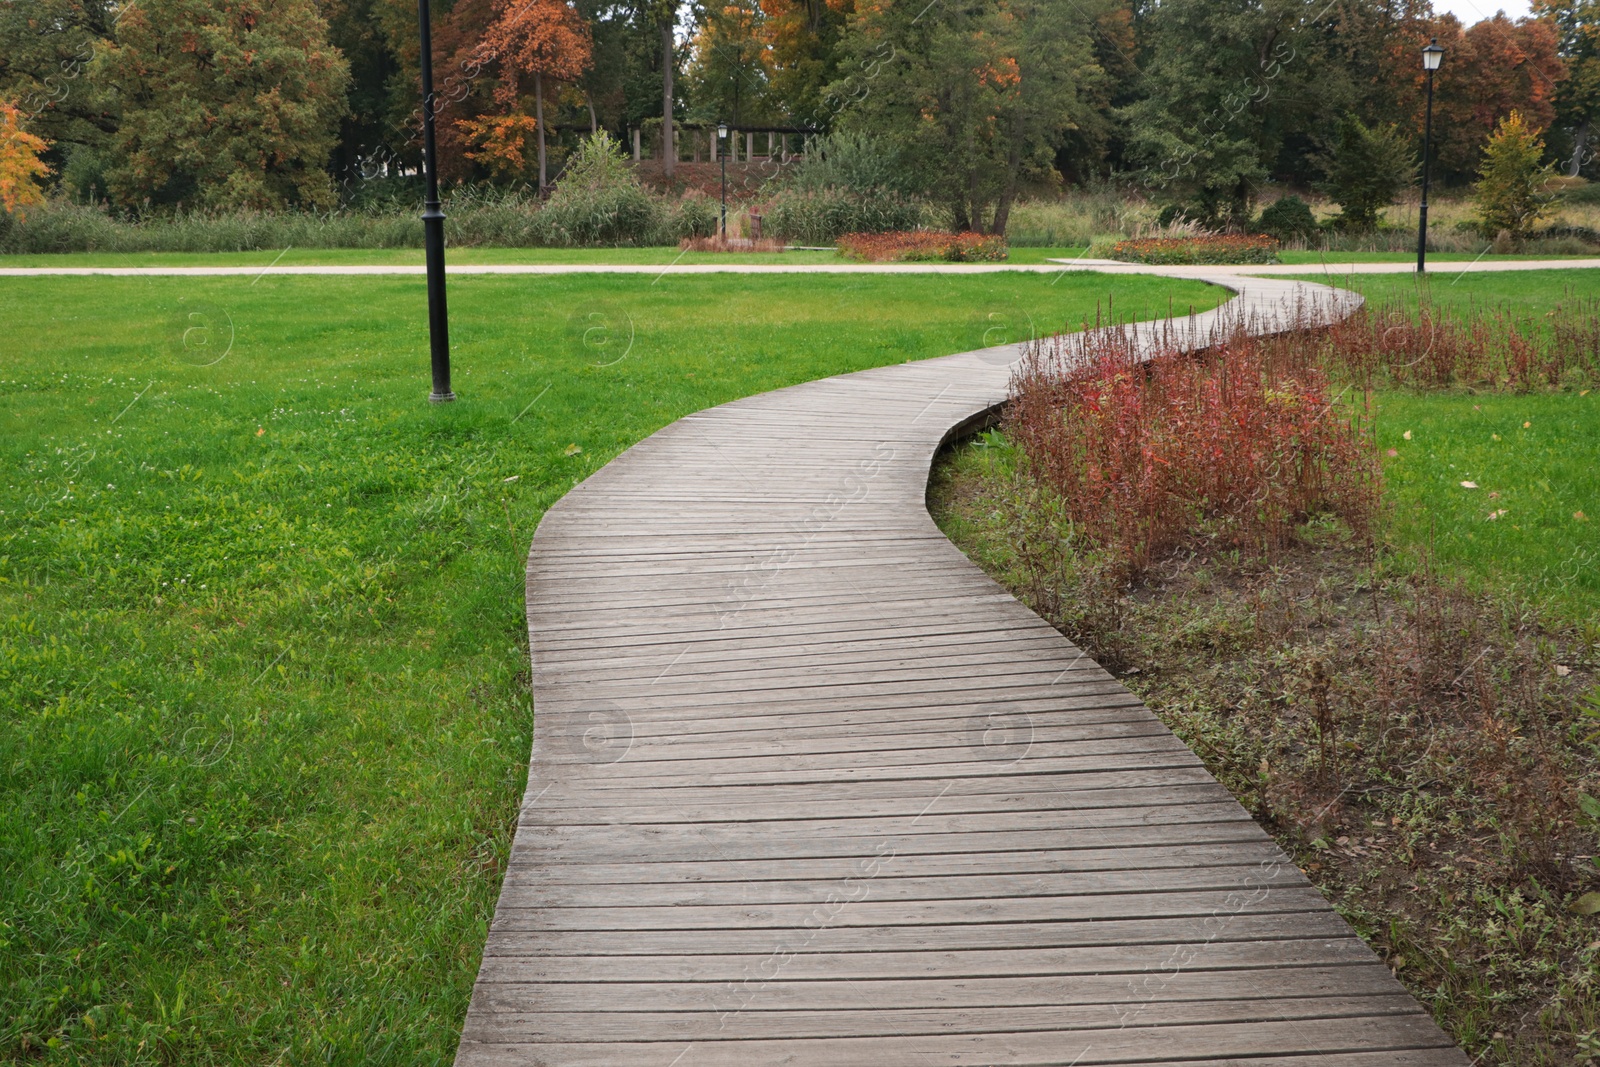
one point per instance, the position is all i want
(923, 246)
(1206, 248)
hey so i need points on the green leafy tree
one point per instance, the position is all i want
(1226, 81)
(1510, 193)
(233, 103)
(46, 47)
(974, 97)
(1368, 169)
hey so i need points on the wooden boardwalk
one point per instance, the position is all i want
(808, 788)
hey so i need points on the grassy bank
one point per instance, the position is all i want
(1544, 474)
(263, 709)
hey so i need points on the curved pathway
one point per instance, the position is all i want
(808, 788)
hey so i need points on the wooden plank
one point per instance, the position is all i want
(738, 1025)
(1255, 1037)
(809, 788)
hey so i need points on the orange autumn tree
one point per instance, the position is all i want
(545, 39)
(20, 167)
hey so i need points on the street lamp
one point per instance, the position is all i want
(1432, 55)
(433, 225)
(722, 154)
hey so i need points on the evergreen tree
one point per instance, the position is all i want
(1224, 82)
(1368, 170)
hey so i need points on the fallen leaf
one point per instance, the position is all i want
(1407, 435)
(1587, 904)
(1494, 436)
(1494, 496)
(259, 431)
(1580, 516)
(1393, 453)
(1526, 425)
(1583, 392)
(1562, 670)
(1469, 485)
(573, 450)
(1493, 515)
(513, 478)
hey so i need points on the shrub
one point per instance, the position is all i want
(599, 200)
(1204, 248)
(1370, 166)
(693, 215)
(1239, 440)
(923, 246)
(1288, 218)
(854, 163)
(1510, 192)
(818, 218)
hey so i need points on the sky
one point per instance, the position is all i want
(1470, 11)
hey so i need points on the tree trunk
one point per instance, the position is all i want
(1580, 144)
(538, 117)
(594, 124)
(1002, 209)
(669, 151)
(974, 198)
(962, 222)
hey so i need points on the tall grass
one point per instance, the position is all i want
(1245, 439)
(473, 217)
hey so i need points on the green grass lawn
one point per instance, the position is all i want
(1544, 475)
(263, 671)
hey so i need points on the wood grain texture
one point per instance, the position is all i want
(809, 789)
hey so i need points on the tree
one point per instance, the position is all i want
(664, 14)
(45, 50)
(234, 103)
(20, 166)
(730, 71)
(1226, 81)
(546, 39)
(1495, 67)
(1368, 170)
(1577, 27)
(972, 97)
(803, 41)
(1510, 192)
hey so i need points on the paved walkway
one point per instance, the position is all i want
(809, 789)
(733, 266)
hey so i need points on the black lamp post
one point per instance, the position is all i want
(1432, 55)
(433, 225)
(722, 154)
